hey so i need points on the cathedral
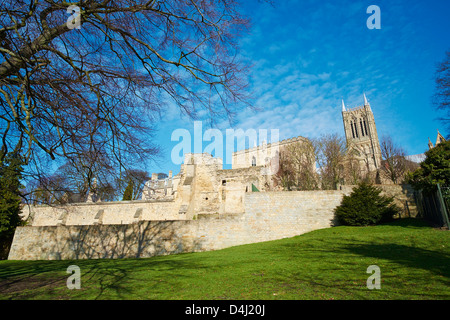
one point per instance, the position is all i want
(361, 136)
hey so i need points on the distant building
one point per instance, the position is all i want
(439, 139)
(418, 158)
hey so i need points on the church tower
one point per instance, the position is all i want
(361, 135)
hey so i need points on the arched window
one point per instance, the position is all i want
(362, 129)
(365, 127)
(356, 129)
(353, 132)
(253, 162)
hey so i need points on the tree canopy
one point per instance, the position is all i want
(433, 170)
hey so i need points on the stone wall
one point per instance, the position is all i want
(268, 216)
(119, 212)
(278, 215)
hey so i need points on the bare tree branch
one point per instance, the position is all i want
(67, 92)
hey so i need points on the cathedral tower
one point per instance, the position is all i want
(361, 135)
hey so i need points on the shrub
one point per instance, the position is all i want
(365, 206)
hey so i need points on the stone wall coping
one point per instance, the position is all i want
(296, 192)
(107, 203)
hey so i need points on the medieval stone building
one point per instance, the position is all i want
(361, 135)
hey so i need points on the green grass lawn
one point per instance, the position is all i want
(414, 260)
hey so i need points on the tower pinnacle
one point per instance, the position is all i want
(343, 106)
(366, 103)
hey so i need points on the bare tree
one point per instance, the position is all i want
(67, 92)
(441, 98)
(394, 165)
(297, 167)
(352, 167)
(74, 180)
(284, 177)
(331, 151)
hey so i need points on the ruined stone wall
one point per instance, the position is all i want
(268, 216)
(247, 176)
(118, 212)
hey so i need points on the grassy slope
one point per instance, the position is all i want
(325, 264)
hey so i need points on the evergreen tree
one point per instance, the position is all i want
(365, 206)
(10, 204)
(433, 170)
(128, 193)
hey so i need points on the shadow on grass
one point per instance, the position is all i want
(410, 257)
(99, 278)
(315, 260)
(410, 246)
(411, 223)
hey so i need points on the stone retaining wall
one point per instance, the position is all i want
(268, 216)
(120, 212)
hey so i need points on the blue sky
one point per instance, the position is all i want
(308, 55)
